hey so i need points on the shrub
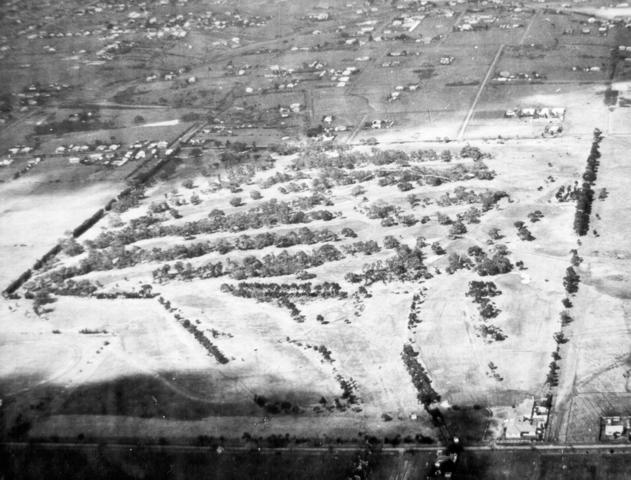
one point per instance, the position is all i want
(349, 232)
(443, 219)
(495, 234)
(358, 190)
(571, 280)
(71, 247)
(390, 242)
(437, 249)
(457, 229)
(405, 186)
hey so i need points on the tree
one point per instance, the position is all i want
(390, 242)
(472, 215)
(438, 249)
(349, 232)
(495, 234)
(457, 229)
(571, 280)
(358, 190)
(458, 261)
(41, 297)
(405, 186)
(188, 183)
(139, 119)
(235, 201)
(421, 242)
(71, 247)
(446, 156)
(443, 219)
(255, 195)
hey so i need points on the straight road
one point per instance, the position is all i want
(479, 94)
(542, 448)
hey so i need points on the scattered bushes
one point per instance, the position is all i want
(491, 331)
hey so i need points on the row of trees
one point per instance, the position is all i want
(266, 214)
(413, 320)
(270, 265)
(351, 159)
(332, 174)
(586, 194)
(421, 381)
(122, 257)
(266, 291)
(192, 328)
(462, 196)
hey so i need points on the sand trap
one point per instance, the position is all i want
(167, 123)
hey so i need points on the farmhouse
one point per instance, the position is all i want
(615, 428)
(528, 420)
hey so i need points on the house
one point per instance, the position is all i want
(553, 129)
(318, 17)
(615, 428)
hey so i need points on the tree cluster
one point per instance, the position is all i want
(482, 293)
(367, 248)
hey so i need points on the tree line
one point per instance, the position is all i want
(585, 196)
